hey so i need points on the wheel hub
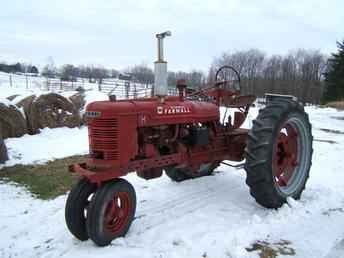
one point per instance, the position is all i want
(286, 155)
(117, 213)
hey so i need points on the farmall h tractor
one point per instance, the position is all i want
(185, 137)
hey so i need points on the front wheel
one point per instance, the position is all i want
(77, 207)
(111, 211)
(279, 153)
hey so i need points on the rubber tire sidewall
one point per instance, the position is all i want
(96, 211)
(297, 193)
(74, 208)
(260, 147)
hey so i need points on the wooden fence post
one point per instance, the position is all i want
(11, 81)
(100, 85)
(127, 88)
(135, 91)
(27, 82)
(47, 83)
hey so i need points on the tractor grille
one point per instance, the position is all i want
(104, 138)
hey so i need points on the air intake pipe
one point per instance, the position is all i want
(160, 68)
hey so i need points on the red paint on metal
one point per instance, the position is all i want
(146, 135)
(286, 154)
(239, 118)
(181, 86)
(116, 214)
(227, 145)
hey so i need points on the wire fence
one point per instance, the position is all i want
(123, 89)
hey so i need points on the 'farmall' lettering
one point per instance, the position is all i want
(173, 110)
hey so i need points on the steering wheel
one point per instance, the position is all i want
(228, 78)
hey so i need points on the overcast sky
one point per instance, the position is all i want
(120, 33)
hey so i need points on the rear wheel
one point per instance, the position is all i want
(111, 211)
(76, 208)
(279, 153)
(181, 174)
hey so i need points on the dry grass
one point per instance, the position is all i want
(336, 104)
(272, 250)
(44, 181)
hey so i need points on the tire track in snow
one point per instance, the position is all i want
(183, 204)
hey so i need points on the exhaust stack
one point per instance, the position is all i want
(160, 68)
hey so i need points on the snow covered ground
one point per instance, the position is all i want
(210, 217)
(48, 145)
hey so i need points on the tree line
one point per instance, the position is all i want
(18, 68)
(334, 76)
(299, 73)
(307, 74)
(141, 73)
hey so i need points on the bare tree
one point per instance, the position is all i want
(142, 74)
(299, 73)
(49, 70)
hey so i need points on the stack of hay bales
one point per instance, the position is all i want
(25, 104)
(52, 110)
(12, 97)
(12, 124)
(31, 113)
(49, 110)
(12, 121)
(3, 151)
(28, 114)
(79, 102)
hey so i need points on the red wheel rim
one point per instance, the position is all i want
(116, 214)
(285, 155)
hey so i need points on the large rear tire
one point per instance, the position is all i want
(76, 208)
(279, 153)
(111, 211)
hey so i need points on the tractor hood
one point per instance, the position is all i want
(150, 111)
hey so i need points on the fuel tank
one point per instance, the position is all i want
(151, 112)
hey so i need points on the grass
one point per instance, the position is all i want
(44, 181)
(272, 250)
(336, 104)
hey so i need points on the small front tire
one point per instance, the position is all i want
(76, 208)
(111, 211)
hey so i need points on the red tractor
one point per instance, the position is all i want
(185, 136)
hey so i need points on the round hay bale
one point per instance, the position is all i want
(3, 150)
(83, 118)
(78, 100)
(26, 105)
(12, 97)
(12, 121)
(53, 110)
(80, 89)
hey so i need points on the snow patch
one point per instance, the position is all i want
(48, 145)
